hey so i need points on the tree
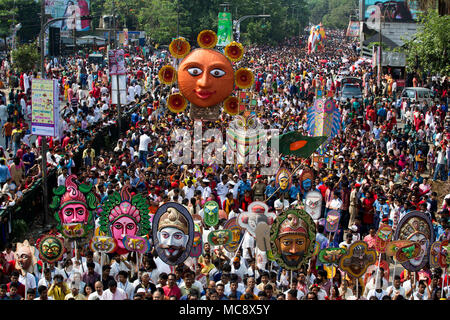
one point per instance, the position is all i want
(428, 50)
(25, 57)
(332, 13)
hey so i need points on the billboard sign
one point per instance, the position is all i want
(353, 29)
(224, 29)
(73, 10)
(44, 107)
(116, 60)
(393, 10)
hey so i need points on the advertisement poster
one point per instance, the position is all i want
(116, 62)
(225, 29)
(45, 107)
(353, 29)
(73, 9)
(393, 10)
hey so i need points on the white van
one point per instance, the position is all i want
(418, 94)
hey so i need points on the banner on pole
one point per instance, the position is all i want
(353, 29)
(116, 62)
(224, 29)
(45, 107)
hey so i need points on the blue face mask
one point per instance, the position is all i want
(306, 184)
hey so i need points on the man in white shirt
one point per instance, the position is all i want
(189, 190)
(238, 268)
(205, 189)
(98, 293)
(223, 189)
(124, 284)
(396, 289)
(114, 293)
(62, 177)
(144, 141)
(248, 245)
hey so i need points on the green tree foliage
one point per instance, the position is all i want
(332, 13)
(25, 57)
(428, 50)
(20, 11)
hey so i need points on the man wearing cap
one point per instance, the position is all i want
(222, 190)
(238, 268)
(258, 188)
(205, 189)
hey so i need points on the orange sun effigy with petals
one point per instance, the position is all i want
(205, 77)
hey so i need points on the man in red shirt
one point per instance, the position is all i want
(15, 279)
(171, 289)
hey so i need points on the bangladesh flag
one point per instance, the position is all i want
(295, 144)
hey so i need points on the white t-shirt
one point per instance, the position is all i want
(379, 295)
(248, 242)
(29, 281)
(394, 291)
(144, 141)
(120, 294)
(95, 296)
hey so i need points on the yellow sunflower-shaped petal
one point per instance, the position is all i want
(207, 39)
(234, 51)
(244, 78)
(179, 48)
(231, 105)
(176, 103)
(167, 75)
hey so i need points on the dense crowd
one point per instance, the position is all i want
(380, 166)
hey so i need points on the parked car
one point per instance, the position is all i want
(418, 94)
(351, 90)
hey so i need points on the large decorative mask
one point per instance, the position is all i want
(384, 235)
(136, 244)
(444, 256)
(197, 244)
(25, 257)
(122, 215)
(283, 179)
(292, 239)
(306, 180)
(393, 246)
(103, 244)
(331, 255)
(434, 254)
(75, 207)
(173, 233)
(357, 259)
(332, 221)
(51, 248)
(205, 77)
(220, 237)
(237, 233)
(244, 135)
(257, 212)
(323, 119)
(211, 213)
(407, 253)
(416, 226)
(262, 233)
(313, 204)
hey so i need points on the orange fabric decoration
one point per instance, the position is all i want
(234, 51)
(179, 48)
(176, 103)
(207, 39)
(231, 105)
(167, 75)
(244, 78)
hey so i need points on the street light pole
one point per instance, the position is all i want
(238, 23)
(44, 138)
(119, 117)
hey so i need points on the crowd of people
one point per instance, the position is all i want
(381, 166)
